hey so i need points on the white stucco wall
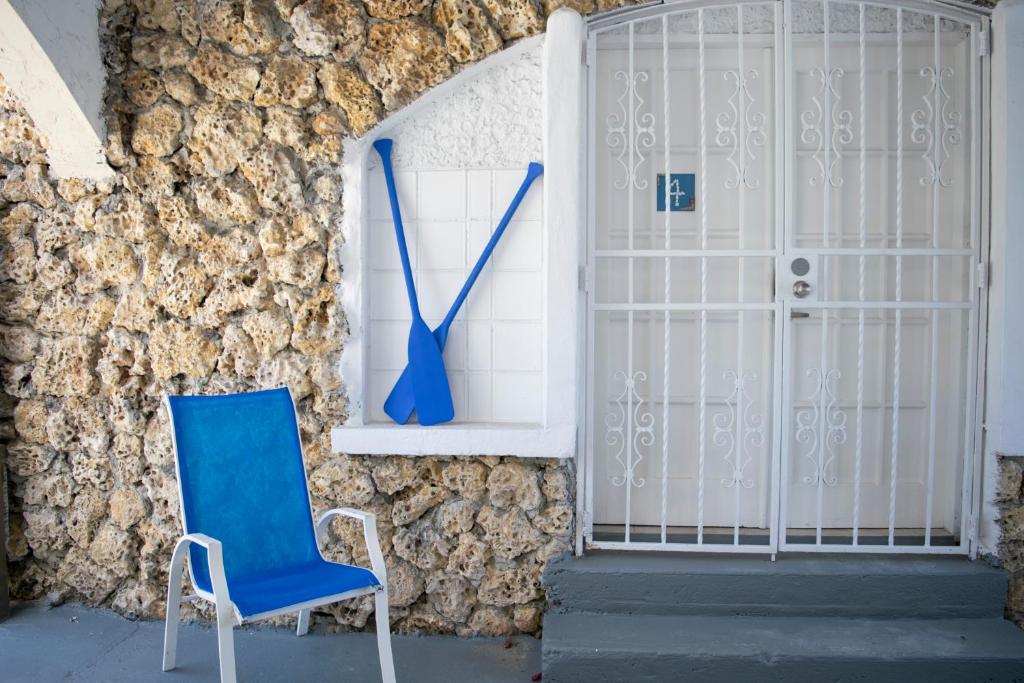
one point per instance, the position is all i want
(1004, 401)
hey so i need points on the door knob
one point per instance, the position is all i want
(801, 288)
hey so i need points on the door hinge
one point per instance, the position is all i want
(586, 278)
(583, 55)
(982, 275)
(983, 43)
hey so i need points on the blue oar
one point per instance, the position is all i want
(402, 399)
(430, 390)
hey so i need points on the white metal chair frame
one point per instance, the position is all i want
(227, 614)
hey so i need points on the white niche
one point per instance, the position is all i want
(460, 154)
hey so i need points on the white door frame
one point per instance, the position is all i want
(978, 21)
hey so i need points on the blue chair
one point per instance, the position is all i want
(253, 548)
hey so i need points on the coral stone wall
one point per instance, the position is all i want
(1010, 499)
(209, 264)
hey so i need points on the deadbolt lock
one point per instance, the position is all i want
(801, 288)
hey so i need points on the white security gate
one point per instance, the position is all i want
(785, 276)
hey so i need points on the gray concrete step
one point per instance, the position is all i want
(581, 647)
(793, 585)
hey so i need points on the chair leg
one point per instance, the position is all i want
(173, 607)
(226, 643)
(303, 626)
(387, 663)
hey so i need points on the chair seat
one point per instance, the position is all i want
(296, 585)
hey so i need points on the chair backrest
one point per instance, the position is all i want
(242, 481)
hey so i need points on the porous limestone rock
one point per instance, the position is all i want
(469, 35)
(516, 18)
(226, 201)
(287, 80)
(316, 323)
(273, 173)
(18, 343)
(345, 87)
(222, 135)
(269, 331)
(143, 87)
(517, 586)
(246, 26)
(183, 285)
(157, 130)
(325, 26)
(29, 184)
(342, 479)
(106, 261)
(302, 269)
(231, 77)
(179, 349)
(286, 369)
(452, 596)
(30, 420)
(65, 367)
(510, 534)
(488, 621)
(281, 235)
(395, 9)
(411, 506)
(180, 86)
(402, 59)
(514, 483)
(470, 557)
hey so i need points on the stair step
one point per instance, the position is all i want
(638, 648)
(793, 585)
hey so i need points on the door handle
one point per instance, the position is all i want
(794, 315)
(801, 288)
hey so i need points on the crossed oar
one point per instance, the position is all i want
(423, 385)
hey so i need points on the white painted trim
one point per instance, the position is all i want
(564, 211)
(1004, 394)
(31, 62)
(563, 142)
(524, 441)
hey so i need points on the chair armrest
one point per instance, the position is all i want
(369, 521)
(214, 560)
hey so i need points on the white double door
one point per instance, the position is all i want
(782, 345)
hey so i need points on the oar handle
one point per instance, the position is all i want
(383, 147)
(532, 172)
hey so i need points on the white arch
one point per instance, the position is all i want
(50, 57)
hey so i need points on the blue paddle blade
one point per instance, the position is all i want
(401, 401)
(429, 380)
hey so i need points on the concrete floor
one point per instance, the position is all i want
(79, 644)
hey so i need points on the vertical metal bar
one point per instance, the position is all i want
(666, 369)
(980, 172)
(588, 505)
(826, 186)
(630, 178)
(785, 390)
(741, 218)
(778, 320)
(862, 229)
(702, 399)
(934, 370)
(894, 446)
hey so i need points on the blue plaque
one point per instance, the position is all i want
(681, 192)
